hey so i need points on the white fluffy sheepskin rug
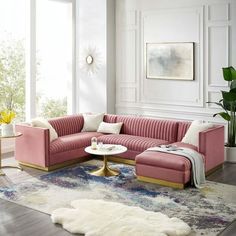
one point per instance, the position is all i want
(101, 218)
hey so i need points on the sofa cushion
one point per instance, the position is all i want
(192, 135)
(152, 128)
(67, 125)
(72, 141)
(92, 122)
(182, 129)
(134, 143)
(43, 123)
(109, 128)
(163, 160)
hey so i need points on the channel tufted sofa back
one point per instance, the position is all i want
(67, 125)
(110, 118)
(182, 129)
(72, 124)
(152, 128)
(145, 127)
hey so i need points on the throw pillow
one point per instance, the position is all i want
(192, 134)
(110, 128)
(92, 122)
(43, 123)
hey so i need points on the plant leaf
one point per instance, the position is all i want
(233, 73)
(233, 90)
(228, 105)
(224, 115)
(227, 73)
(229, 96)
(218, 104)
(233, 85)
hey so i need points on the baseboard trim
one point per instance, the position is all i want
(209, 172)
(160, 182)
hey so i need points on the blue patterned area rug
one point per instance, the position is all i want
(207, 210)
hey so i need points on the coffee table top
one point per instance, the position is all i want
(106, 149)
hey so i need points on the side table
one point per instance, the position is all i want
(18, 134)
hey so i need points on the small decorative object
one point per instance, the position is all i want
(91, 61)
(100, 145)
(228, 104)
(173, 148)
(6, 118)
(94, 143)
(170, 61)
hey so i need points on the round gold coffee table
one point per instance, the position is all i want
(16, 135)
(105, 151)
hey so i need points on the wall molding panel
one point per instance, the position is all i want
(218, 12)
(128, 94)
(146, 85)
(216, 47)
(210, 24)
(128, 56)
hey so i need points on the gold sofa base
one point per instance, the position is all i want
(56, 166)
(118, 160)
(161, 182)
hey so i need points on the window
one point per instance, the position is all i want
(54, 57)
(37, 57)
(12, 56)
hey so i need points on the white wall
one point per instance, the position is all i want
(96, 29)
(111, 56)
(210, 24)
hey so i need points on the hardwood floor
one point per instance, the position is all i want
(22, 221)
(227, 175)
(230, 230)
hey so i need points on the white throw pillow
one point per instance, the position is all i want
(43, 123)
(110, 128)
(92, 122)
(192, 134)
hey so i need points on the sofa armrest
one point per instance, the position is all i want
(33, 146)
(211, 145)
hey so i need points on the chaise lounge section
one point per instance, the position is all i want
(175, 171)
(137, 134)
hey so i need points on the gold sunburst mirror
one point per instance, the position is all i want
(89, 59)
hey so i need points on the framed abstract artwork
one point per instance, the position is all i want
(170, 61)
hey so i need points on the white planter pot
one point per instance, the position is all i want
(230, 154)
(7, 130)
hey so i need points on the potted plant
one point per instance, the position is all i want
(228, 104)
(6, 118)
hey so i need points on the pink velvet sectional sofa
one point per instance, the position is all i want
(137, 134)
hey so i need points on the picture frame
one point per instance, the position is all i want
(170, 61)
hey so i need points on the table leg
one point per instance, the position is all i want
(8, 166)
(105, 170)
(1, 173)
